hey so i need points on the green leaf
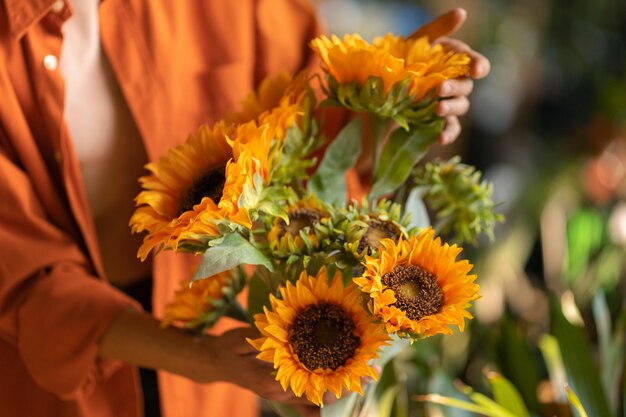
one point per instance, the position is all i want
(585, 230)
(507, 395)
(517, 360)
(491, 407)
(602, 318)
(329, 182)
(388, 352)
(375, 391)
(258, 295)
(386, 401)
(613, 366)
(441, 382)
(582, 373)
(493, 410)
(415, 206)
(575, 401)
(231, 251)
(549, 347)
(401, 152)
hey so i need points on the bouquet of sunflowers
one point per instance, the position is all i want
(337, 280)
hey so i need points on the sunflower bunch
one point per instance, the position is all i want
(263, 195)
(216, 180)
(323, 335)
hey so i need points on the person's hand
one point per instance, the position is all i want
(137, 338)
(234, 360)
(454, 93)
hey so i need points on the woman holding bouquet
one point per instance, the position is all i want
(91, 91)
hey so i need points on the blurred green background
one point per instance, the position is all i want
(548, 128)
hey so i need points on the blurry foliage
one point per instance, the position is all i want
(553, 109)
(574, 108)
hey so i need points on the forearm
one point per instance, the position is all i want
(136, 337)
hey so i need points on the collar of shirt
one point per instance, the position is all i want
(22, 14)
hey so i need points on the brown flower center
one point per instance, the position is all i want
(323, 337)
(299, 218)
(417, 292)
(211, 185)
(378, 230)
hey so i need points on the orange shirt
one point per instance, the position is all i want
(178, 64)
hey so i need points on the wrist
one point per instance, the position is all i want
(202, 359)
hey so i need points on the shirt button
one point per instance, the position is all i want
(57, 6)
(50, 62)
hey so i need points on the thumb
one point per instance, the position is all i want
(444, 25)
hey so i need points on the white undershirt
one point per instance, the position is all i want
(105, 139)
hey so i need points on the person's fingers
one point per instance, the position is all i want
(443, 25)
(479, 65)
(456, 87)
(451, 130)
(456, 106)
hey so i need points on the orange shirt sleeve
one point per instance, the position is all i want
(51, 307)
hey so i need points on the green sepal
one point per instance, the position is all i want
(371, 97)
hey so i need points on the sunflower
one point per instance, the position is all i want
(393, 76)
(304, 216)
(189, 180)
(416, 286)
(429, 65)
(279, 101)
(319, 337)
(377, 230)
(199, 304)
(363, 225)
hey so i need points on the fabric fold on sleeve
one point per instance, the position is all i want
(60, 325)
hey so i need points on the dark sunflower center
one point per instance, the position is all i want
(299, 219)
(378, 230)
(417, 292)
(323, 337)
(209, 185)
